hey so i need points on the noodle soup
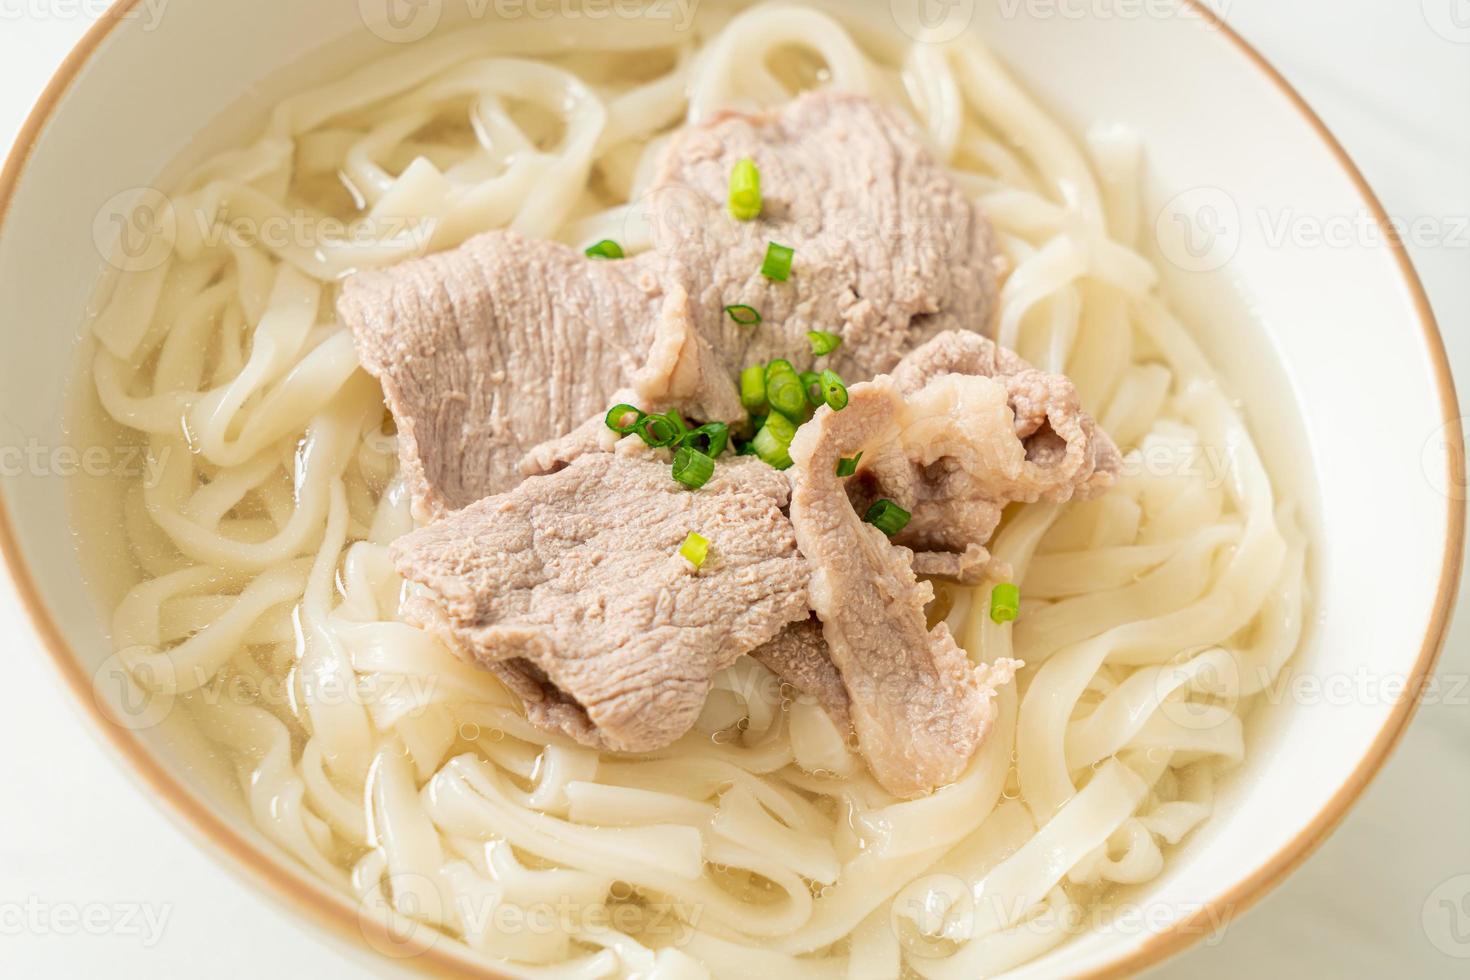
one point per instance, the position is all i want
(413, 781)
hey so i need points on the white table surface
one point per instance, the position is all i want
(95, 882)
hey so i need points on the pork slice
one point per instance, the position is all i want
(918, 706)
(492, 353)
(571, 587)
(888, 249)
(798, 655)
(505, 343)
(985, 429)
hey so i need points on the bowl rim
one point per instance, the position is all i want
(334, 913)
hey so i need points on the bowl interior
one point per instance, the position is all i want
(1325, 344)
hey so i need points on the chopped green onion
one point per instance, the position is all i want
(887, 517)
(823, 342)
(1005, 603)
(847, 465)
(773, 442)
(617, 413)
(695, 548)
(692, 467)
(605, 249)
(753, 388)
(811, 384)
(746, 316)
(657, 430)
(834, 391)
(778, 262)
(716, 436)
(784, 390)
(673, 416)
(745, 190)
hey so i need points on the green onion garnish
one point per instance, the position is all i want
(618, 413)
(773, 442)
(745, 190)
(887, 517)
(716, 436)
(692, 467)
(847, 465)
(753, 388)
(657, 430)
(823, 342)
(1005, 602)
(746, 316)
(778, 262)
(834, 391)
(811, 384)
(605, 249)
(784, 390)
(695, 548)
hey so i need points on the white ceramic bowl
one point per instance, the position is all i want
(1332, 345)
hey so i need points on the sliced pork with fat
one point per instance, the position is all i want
(506, 345)
(985, 429)
(571, 587)
(493, 348)
(918, 706)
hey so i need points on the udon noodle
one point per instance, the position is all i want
(405, 777)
